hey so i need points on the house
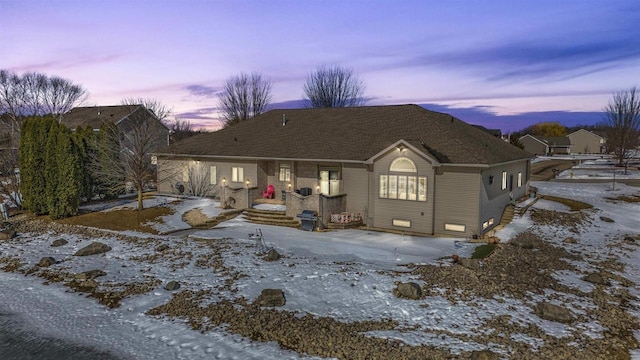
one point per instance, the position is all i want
(396, 167)
(585, 142)
(546, 145)
(125, 117)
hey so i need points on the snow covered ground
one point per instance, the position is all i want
(348, 275)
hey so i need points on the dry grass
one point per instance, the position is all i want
(627, 198)
(574, 205)
(120, 220)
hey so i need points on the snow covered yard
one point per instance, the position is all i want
(339, 287)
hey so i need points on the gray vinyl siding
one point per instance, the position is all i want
(457, 200)
(584, 142)
(493, 199)
(384, 211)
(533, 146)
(356, 185)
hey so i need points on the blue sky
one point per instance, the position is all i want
(501, 64)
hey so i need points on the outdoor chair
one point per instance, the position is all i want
(269, 193)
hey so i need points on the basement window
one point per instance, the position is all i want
(455, 227)
(401, 223)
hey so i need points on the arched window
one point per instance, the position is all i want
(401, 182)
(403, 164)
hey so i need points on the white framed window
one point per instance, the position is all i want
(403, 164)
(519, 179)
(455, 227)
(213, 173)
(402, 187)
(422, 188)
(401, 223)
(285, 173)
(185, 173)
(504, 180)
(412, 191)
(237, 174)
(384, 186)
(393, 186)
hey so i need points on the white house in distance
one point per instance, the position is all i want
(586, 142)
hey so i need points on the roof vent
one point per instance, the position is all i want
(284, 120)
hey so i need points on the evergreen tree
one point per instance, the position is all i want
(69, 177)
(32, 176)
(51, 166)
(86, 140)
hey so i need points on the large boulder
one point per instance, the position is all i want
(472, 264)
(7, 234)
(606, 219)
(552, 312)
(172, 285)
(46, 261)
(524, 241)
(93, 249)
(596, 278)
(162, 247)
(272, 255)
(59, 242)
(271, 298)
(408, 290)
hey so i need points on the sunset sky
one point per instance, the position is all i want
(502, 64)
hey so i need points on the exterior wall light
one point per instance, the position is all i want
(289, 186)
(247, 182)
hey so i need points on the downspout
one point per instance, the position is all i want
(433, 204)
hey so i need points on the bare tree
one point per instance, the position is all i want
(123, 158)
(243, 97)
(198, 182)
(161, 111)
(622, 117)
(10, 177)
(181, 129)
(333, 86)
(36, 94)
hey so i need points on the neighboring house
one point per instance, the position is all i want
(124, 117)
(396, 167)
(546, 145)
(586, 142)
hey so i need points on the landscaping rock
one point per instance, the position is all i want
(271, 298)
(570, 240)
(596, 278)
(606, 219)
(473, 264)
(93, 249)
(523, 241)
(172, 285)
(484, 355)
(59, 242)
(552, 312)
(90, 275)
(46, 261)
(408, 290)
(162, 247)
(272, 255)
(7, 234)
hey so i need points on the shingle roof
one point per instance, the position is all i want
(94, 116)
(556, 140)
(351, 134)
